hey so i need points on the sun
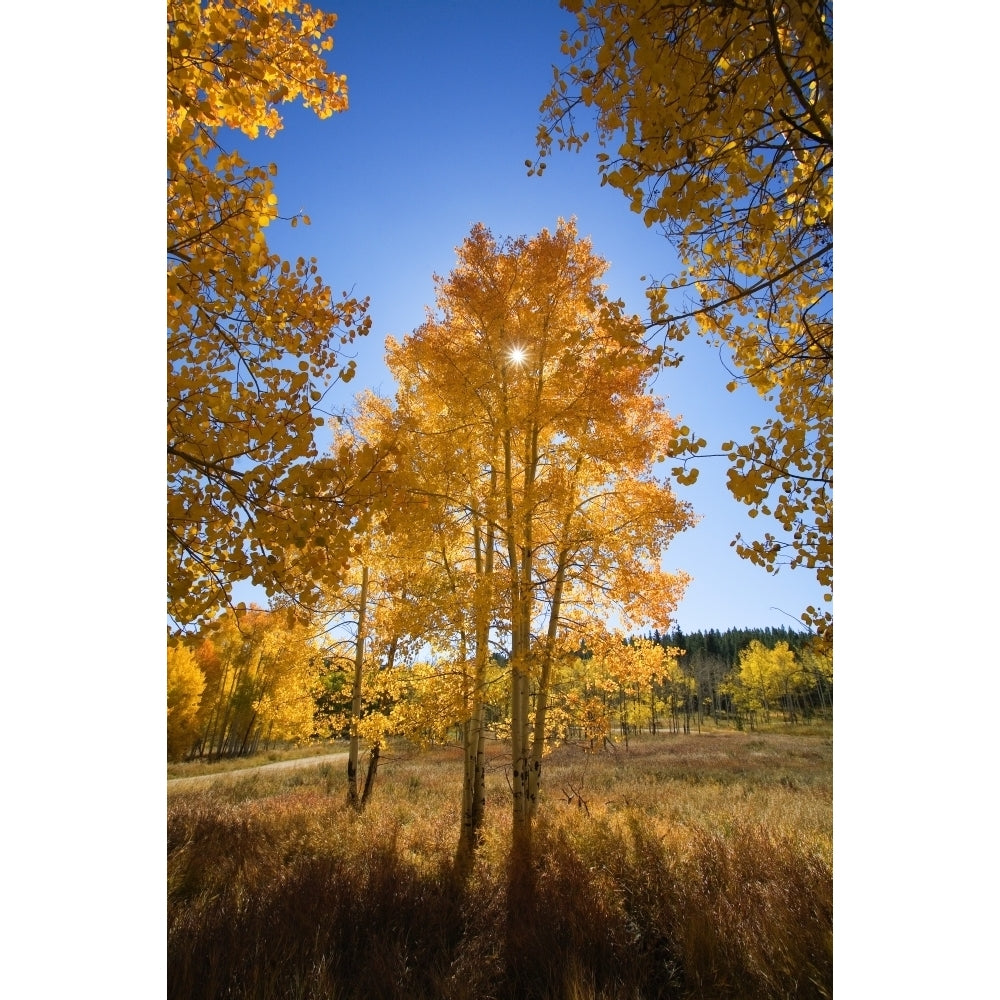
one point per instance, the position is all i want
(517, 355)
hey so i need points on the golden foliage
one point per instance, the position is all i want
(770, 678)
(392, 605)
(253, 342)
(720, 118)
(261, 674)
(185, 686)
(523, 410)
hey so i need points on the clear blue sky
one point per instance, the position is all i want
(444, 102)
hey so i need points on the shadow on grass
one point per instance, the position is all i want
(288, 899)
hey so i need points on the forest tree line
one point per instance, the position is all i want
(233, 692)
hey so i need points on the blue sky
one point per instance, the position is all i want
(444, 102)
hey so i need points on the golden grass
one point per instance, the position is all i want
(690, 866)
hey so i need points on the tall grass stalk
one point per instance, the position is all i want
(693, 866)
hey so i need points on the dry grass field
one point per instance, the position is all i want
(688, 866)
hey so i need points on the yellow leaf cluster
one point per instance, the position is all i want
(252, 341)
(259, 672)
(720, 117)
(185, 686)
(769, 679)
(525, 412)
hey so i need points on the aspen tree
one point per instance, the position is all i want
(525, 396)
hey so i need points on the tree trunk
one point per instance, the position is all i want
(544, 682)
(373, 756)
(473, 791)
(474, 767)
(519, 556)
(474, 764)
(353, 795)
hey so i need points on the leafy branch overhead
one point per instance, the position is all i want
(254, 342)
(716, 123)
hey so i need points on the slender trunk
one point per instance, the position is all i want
(376, 750)
(544, 683)
(519, 557)
(229, 732)
(520, 548)
(474, 769)
(520, 748)
(820, 688)
(701, 702)
(473, 790)
(623, 713)
(258, 684)
(353, 795)
(208, 730)
(244, 745)
(373, 756)
(220, 724)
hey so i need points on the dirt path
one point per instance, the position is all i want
(328, 758)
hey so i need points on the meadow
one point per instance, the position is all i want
(690, 865)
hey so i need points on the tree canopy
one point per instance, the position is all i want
(254, 342)
(719, 121)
